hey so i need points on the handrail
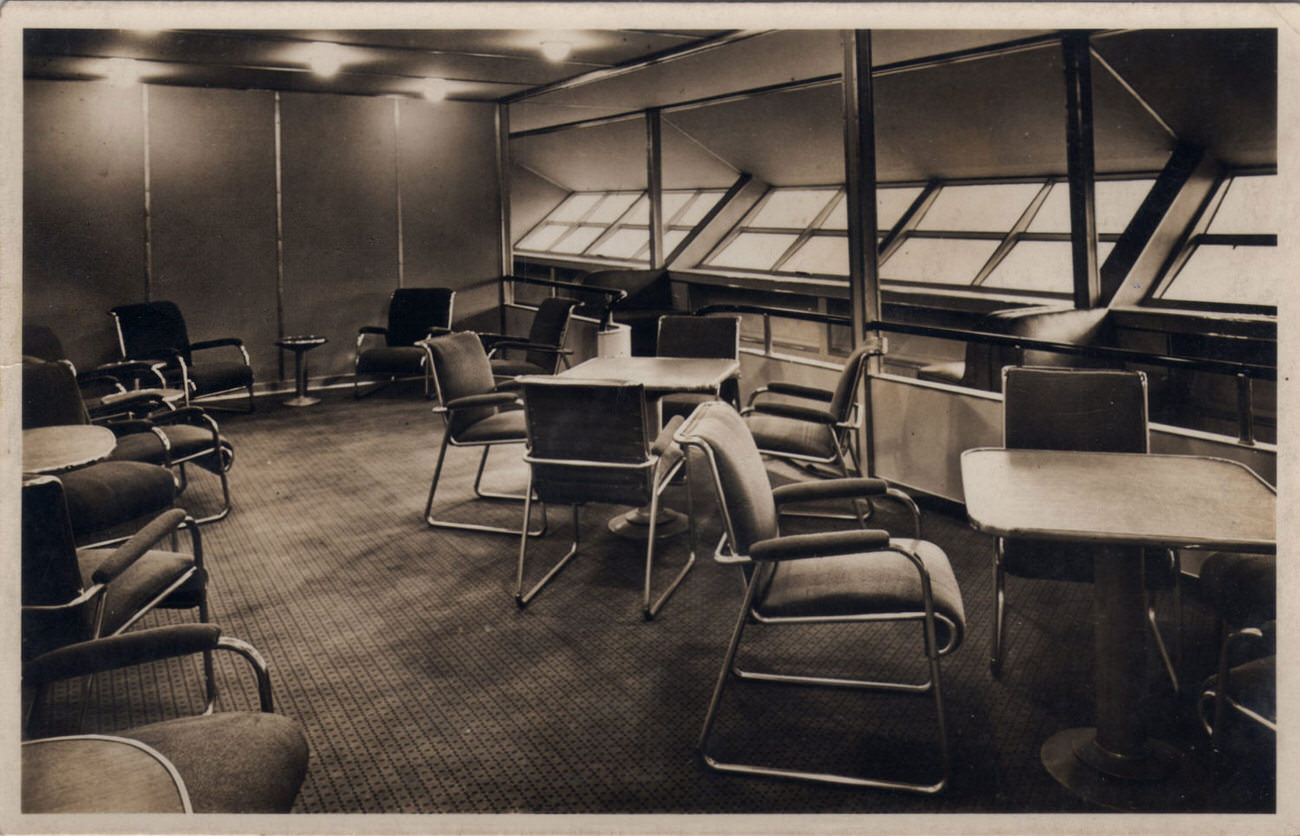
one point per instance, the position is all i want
(614, 295)
(1228, 367)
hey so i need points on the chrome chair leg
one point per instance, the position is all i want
(522, 598)
(435, 522)
(650, 610)
(999, 611)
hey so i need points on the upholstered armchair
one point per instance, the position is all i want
(156, 331)
(414, 314)
(596, 442)
(853, 579)
(542, 351)
(223, 762)
(682, 335)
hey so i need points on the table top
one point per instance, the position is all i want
(301, 341)
(658, 374)
(64, 447)
(67, 775)
(1119, 498)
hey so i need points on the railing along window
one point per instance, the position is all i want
(1231, 259)
(615, 225)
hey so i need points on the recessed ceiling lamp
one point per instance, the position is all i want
(325, 58)
(435, 89)
(556, 50)
(121, 72)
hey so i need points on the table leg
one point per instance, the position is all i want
(300, 377)
(1116, 764)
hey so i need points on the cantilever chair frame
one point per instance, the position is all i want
(382, 331)
(997, 652)
(176, 355)
(499, 342)
(758, 572)
(1216, 693)
(650, 605)
(446, 409)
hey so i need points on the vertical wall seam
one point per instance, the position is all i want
(279, 239)
(397, 189)
(148, 196)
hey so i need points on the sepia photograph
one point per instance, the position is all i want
(665, 417)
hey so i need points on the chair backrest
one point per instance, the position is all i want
(414, 311)
(50, 573)
(589, 441)
(846, 388)
(461, 368)
(1074, 409)
(550, 326)
(145, 329)
(744, 491)
(40, 341)
(699, 336)
(51, 396)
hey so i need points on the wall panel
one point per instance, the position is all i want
(451, 205)
(340, 219)
(83, 211)
(212, 185)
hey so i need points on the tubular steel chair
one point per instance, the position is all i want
(1051, 408)
(156, 331)
(543, 349)
(110, 389)
(698, 336)
(414, 314)
(596, 442)
(72, 595)
(170, 438)
(474, 414)
(830, 577)
(224, 762)
(1246, 686)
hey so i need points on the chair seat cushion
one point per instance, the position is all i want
(142, 581)
(218, 376)
(785, 436)
(109, 493)
(503, 426)
(506, 367)
(398, 359)
(867, 583)
(1058, 561)
(234, 761)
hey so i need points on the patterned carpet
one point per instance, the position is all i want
(422, 689)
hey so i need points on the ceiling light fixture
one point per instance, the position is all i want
(121, 72)
(325, 58)
(435, 89)
(556, 50)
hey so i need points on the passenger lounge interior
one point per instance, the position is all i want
(859, 420)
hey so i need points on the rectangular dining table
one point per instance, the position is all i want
(660, 376)
(1120, 503)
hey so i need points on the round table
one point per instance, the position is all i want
(300, 345)
(65, 447)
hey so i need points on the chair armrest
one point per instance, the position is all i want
(789, 410)
(132, 401)
(525, 345)
(829, 489)
(133, 648)
(192, 415)
(141, 542)
(822, 544)
(485, 399)
(372, 329)
(796, 390)
(234, 342)
(664, 440)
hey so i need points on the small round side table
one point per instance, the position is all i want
(300, 345)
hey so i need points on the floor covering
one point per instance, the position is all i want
(423, 689)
